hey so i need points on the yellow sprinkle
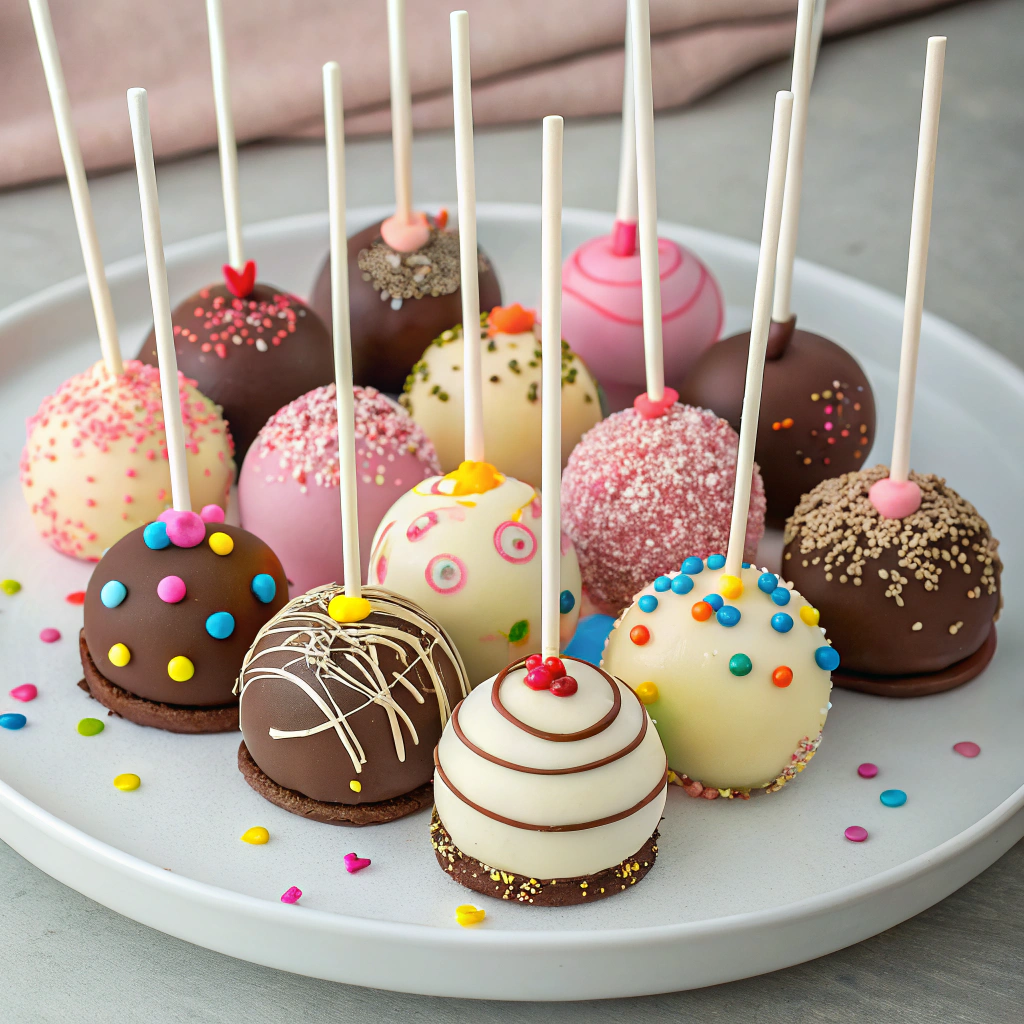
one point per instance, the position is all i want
(10, 586)
(809, 615)
(348, 609)
(119, 655)
(255, 836)
(127, 782)
(647, 692)
(467, 914)
(356, 786)
(730, 586)
(221, 544)
(180, 669)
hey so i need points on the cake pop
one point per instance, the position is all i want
(345, 692)
(95, 466)
(252, 347)
(817, 406)
(651, 484)
(511, 374)
(288, 488)
(548, 786)
(905, 569)
(404, 271)
(737, 680)
(172, 607)
(602, 304)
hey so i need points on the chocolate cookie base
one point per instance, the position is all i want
(921, 685)
(151, 713)
(353, 815)
(549, 892)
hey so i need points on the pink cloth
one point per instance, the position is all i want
(530, 58)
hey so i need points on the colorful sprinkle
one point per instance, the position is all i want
(76, 597)
(221, 543)
(292, 895)
(180, 669)
(90, 727)
(691, 566)
(715, 600)
(716, 561)
(155, 536)
(564, 687)
(827, 658)
(12, 720)
(682, 585)
(728, 616)
(171, 589)
(767, 582)
(740, 665)
(340, 608)
(127, 782)
(10, 586)
(49, 635)
(663, 583)
(467, 915)
(966, 748)
(119, 655)
(782, 676)
(809, 615)
(856, 833)
(220, 625)
(356, 786)
(25, 692)
(354, 863)
(781, 596)
(566, 602)
(730, 587)
(113, 593)
(639, 635)
(647, 693)
(781, 622)
(255, 836)
(264, 587)
(647, 603)
(893, 797)
(702, 611)
(867, 770)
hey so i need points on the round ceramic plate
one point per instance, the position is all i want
(738, 889)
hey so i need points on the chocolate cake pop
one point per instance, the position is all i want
(511, 373)
(288, 488)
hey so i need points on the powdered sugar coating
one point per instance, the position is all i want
(638, 496)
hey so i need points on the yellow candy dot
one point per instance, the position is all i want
(356, 786)
(221, 544)
(255, 836)
(127, 782)
(119, 655)
(467, 914)
(10, 586)
(730, 586)
(180, 669)
(810, 615)
(647, 692)
(348, 609)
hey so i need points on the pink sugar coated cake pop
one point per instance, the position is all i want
(95, 465)
(288, 489)
(639, 495)
(602, 314)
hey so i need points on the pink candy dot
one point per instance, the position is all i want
(184, 529)
(212, 514)
(171, 589)
(25, 692)
(292, 895)
(867, 770)
(49, 635)
(856, 833)
(967, 748)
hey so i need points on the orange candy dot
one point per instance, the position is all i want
(782, 676)
(702, 611)
(640, 635)
(787, 422)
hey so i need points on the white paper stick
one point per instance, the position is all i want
(401, 110)
(801, 89)
(920, 230)
(142, 140)
(647, 221)
(465, 176)
(766, 258)
(626, 206)
(551, 385)
(817, 28)
(225, 134)
(334, 132)
(99, 290)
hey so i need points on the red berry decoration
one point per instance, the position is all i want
(639, 635)
(566, 686)
(782, 676)
(538, 679)
(555, 667)
(534, 661)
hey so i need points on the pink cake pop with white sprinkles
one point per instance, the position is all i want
(288, 489)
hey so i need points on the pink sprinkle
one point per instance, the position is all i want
(129, 471)
(867, 770)
(967, 748)
(171, 589)
(292, 895)
(185, 529)
(128, 499)
(828, 410)
(856, 833)
(49, 635)
(212, 514)
(828, 425)
(354, 863)
(25, 692)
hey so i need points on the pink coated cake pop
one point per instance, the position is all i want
(288, 489)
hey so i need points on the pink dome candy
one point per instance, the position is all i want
(184, 529)
(288, 488)
(602, 314)
(639, 496)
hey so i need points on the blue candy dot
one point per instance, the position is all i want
(782, 623)
(220, 625)
(647, 603)
(692, 565)
(746, 565)
(662, 583)
(781, 596)
(264, 587)
(893, 797)
(716, 561)
(728, 616)
(682, 585)
(155, 536)
(740, 665)
(715, 600)
(827, 658)
(566, 602)
(12, 721)
(767, 582)
(113, 593)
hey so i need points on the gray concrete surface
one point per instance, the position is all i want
(65, 958)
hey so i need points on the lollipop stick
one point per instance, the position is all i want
(225, 134)
(624, 235)
(817, 28)
(334, 131)
(551, 396)
(650, 271)
(99, 291)
(801, 89)
(142, 140)
(401, 110)
(766, 258)
(920, 229)
(470, 282)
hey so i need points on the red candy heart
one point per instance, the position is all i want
(538, 679)
(651, 410)
(240, 283)
(564, 687)
(555, 667)
(534, 661)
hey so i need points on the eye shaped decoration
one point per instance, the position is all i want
(446, 574)
(419, 527)
(515, 542)
(381, 570)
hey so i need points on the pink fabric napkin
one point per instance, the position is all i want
(530, 58)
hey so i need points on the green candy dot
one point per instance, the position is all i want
(740, 665)
(519, 631)
(90, 727)
(10, 586)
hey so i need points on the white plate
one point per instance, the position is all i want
(739, 888)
